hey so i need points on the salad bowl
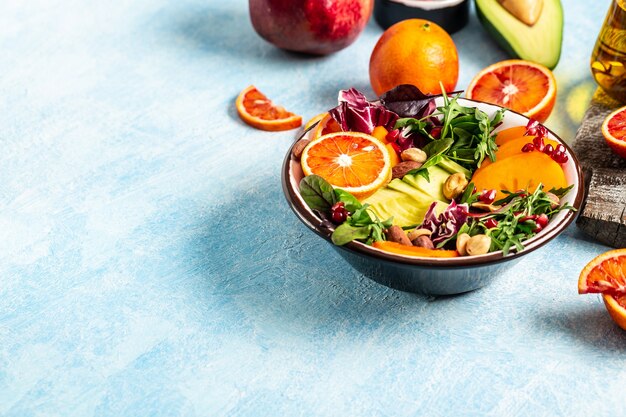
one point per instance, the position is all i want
(437, 276)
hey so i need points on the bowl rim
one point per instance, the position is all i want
(316, 224)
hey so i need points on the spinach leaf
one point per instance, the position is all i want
(317, 193)
(346, 233)
(350, 202)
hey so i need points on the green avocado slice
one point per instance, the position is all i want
(540, 43)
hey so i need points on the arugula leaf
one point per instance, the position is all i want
(560, 192)
(317, 193)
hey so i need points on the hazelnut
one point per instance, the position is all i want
(414, 154)
(461, 242)
(415, 233)
(400, 170)
(454, 185)
(298, 148)
(478, 245)
(423, 242)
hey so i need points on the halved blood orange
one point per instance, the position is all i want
(353, 161)
(258, 111)
(325, 126)
(614, 131)
(519, 85)
(606, 273)
(616, 306)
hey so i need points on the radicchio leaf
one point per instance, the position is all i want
(447, 224)
(355, 113)
(408, 101)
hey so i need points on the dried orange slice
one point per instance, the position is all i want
(616, 306)
(614, 131)
(605, 273)
(353, 161)
(258, 111)
(519, 85)
(325, 126)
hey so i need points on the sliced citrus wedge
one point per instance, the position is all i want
(355, 162)
(519, 85)
(325, 126)
(258, 111)
(605, 273)
(616, 306)
(614, 131)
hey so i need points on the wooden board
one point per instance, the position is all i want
(603, 215)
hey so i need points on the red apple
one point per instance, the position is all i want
(312, 26)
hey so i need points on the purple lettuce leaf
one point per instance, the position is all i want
(354, 113)
(447, 224)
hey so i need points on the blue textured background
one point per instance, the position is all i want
(150, 266)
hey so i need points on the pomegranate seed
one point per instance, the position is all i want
(487, 196)
(560, 148)
(337, 205)
(435, 132)
(548, 149)
(538, 142)
(532, 217)
(491, 223)
(339, 216)
(396, 148)
(529, 147)
(559, 157)
(537, 229)
(392, 135)
(531, 127)
(542, 220)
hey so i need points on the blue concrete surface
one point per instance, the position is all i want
(150, 266)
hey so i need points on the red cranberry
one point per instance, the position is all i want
(548, 149)
(337, 205)
(491, 223)
(529, 147)
(487, 196)
(392, 135)
(537, 229)
(435, 132)
(542, 220)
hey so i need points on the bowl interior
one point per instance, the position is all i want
(293, 174)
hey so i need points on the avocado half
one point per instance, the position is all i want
(540, 43)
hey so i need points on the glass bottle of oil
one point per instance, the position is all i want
(608, 61)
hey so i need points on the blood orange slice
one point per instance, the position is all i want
(519, 85)
(258, 111)
(325, 126)
(606, 273)
(616, 306)
(355, 162)
(614, 131)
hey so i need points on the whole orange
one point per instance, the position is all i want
(414, 51)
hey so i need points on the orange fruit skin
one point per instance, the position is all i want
(614, 131)
(414, 51)
(536, 96)
(615, 307)
(604, 273)
(256, 110)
